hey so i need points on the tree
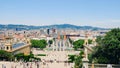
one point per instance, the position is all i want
(26, 58)
(108, 50)
(89, 41)
(4, 55)
(39, 43)
(78, 60)
(50, 42)
(71, 58)
(78, 44)
(19, 56)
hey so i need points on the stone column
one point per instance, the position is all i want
(60, 46)
(92, 65)
(85, 63)
(64, 45)
(53, 46)
(85, 59)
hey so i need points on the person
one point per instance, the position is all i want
(15, 66)
(31, 65)
(12, 66)
(109, 66)
(24, 65)
(83, 67)
(37, 65)
(27, 64)
(2, 65)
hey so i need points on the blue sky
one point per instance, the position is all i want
(100, 13)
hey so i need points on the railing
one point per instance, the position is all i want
(103, 65)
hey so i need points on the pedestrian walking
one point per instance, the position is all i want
(109, 66)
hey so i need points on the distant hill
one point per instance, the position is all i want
(60, 26)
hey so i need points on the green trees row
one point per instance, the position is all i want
(26, 58)
(79, 44)
(77, 59)
(4, 55)
(108, 49)
(39, 43)
(7, 56)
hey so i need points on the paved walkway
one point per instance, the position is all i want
(58, 58)
(34, 65)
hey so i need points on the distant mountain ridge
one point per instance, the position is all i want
(60, 26)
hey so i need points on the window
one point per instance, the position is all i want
(7, 47)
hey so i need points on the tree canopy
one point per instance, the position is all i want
(4, 55)
(39, 43)
(78, 60)
(78, 44)
(26, 58)
(108, 49)
(89, 41)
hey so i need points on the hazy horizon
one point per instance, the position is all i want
(60, 24)
(102, 13)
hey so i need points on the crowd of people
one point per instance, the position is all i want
(34, 64)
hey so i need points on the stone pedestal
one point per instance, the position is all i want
(85, 62)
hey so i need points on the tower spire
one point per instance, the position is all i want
(65, 36)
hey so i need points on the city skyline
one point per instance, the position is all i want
(102, 13)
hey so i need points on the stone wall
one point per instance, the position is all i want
(26, 50)
(103, 65)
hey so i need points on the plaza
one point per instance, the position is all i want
(53, 59)
(34, 65)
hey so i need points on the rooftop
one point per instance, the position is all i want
(18, 45)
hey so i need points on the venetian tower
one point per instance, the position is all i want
(61, 42)
(85, 59)
(86, 44)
